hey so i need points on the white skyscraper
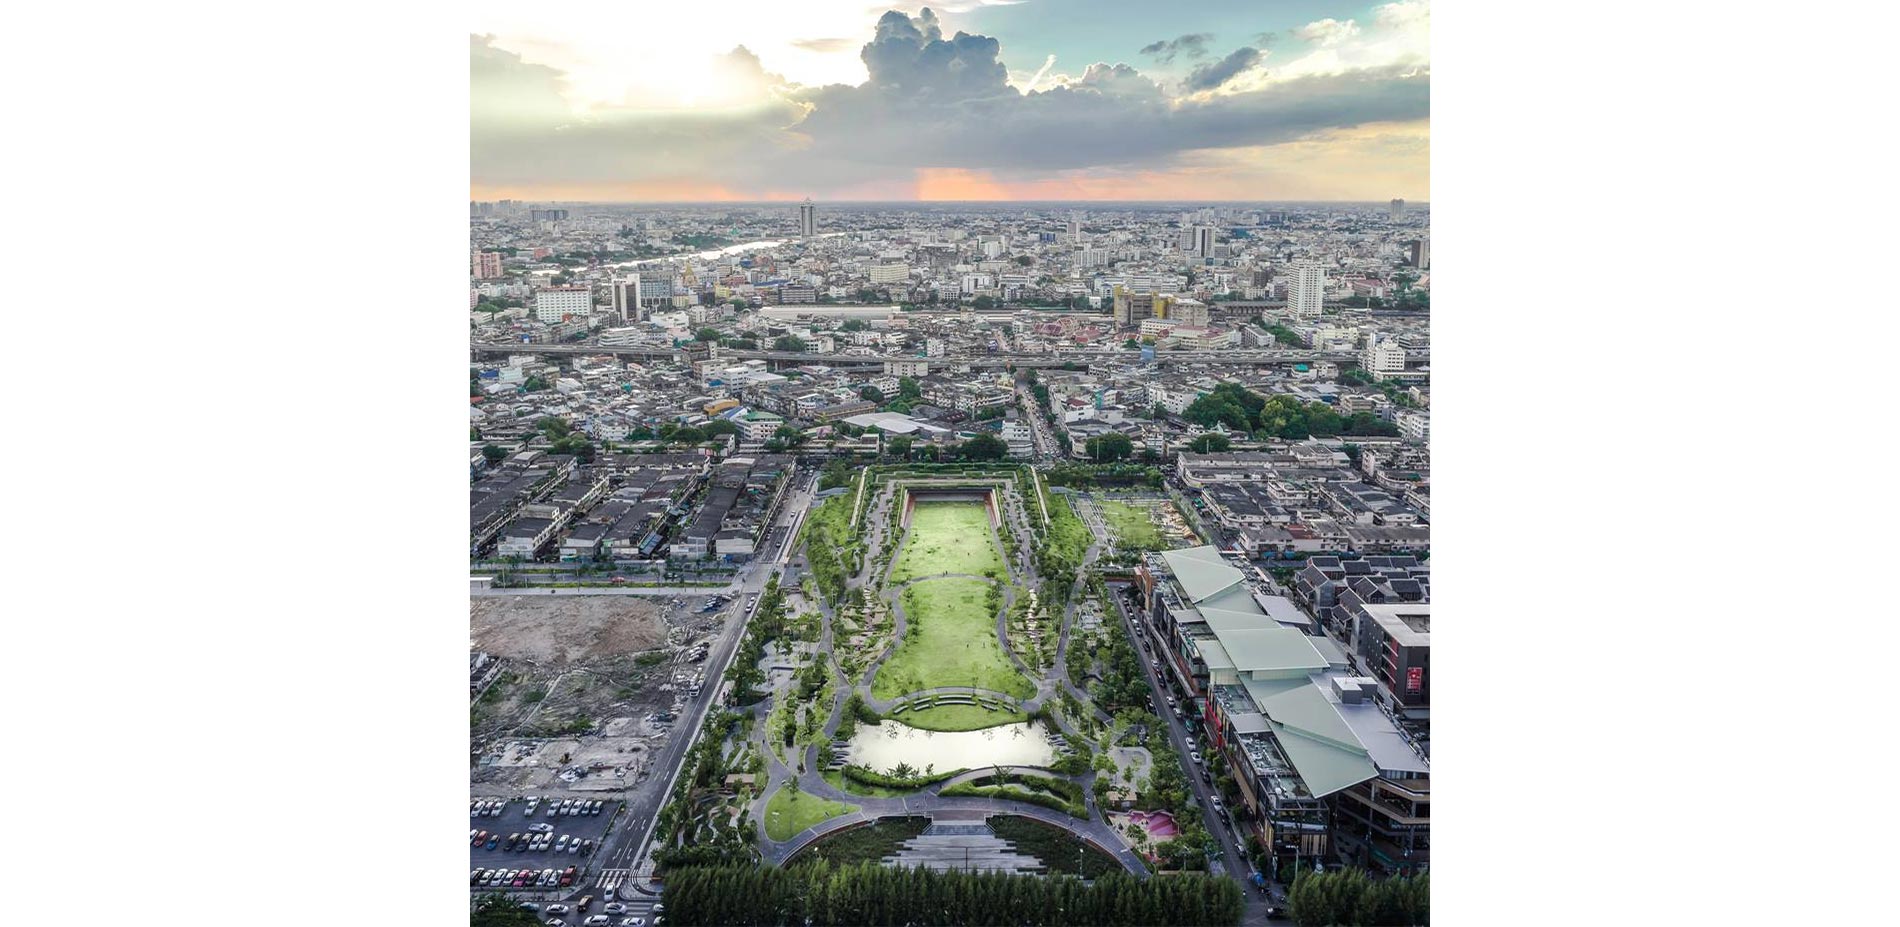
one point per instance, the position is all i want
(1204, 241)
(807, 218)
(1307, 289)
(627, 299)
(1075, 227)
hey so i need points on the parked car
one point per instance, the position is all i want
(557, 908)
(493, 842)
(633, 922)
(1196, 754)
(598, 920)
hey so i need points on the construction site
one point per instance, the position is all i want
(572, 695)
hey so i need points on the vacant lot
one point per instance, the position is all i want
(950, 641)
(564, 630)
(1134, 527)
(948, 537)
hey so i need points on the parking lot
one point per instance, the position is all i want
(558, 833)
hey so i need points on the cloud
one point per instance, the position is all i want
(1327, 32)
(932, 107)
(1214, 74)
(824, 45)
(1193, 45)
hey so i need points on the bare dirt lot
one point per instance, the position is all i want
(588, 688)
(561, 631)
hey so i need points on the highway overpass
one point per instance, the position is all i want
(1255, 357)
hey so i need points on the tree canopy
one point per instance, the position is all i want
(1109, 448)
(1211, 443)
(1280, 416)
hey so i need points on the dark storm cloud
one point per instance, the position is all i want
(1214, 74)
(1193, 45)
(908, 56)
(929, 102)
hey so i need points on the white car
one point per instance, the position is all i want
(557, 908)
(533, 829)
(614, 907)
(598, 920)
(633, 922)
(1196, 754)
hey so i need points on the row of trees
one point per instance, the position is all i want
(821, 893)
(1231, 405)
(1350, 897)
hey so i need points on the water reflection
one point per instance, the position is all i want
(889, 743)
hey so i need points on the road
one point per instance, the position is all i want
(1217, 824)
(1038, 426)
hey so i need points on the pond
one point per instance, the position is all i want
(885, 745)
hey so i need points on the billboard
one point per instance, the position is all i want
(1414, 678)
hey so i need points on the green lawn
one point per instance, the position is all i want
(1132, 526)
(959, 718)
(952, 642)
(787, 813)
(948, 537)
(1068, 539)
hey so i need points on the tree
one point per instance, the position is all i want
(707, 334)
(534, 383)
(1131, 345)
(1210, 443)
(854, 325)
(1024, 260)
(719, 426)
(899, 448)
(788, 343)
(870, 393)
(983, 303)
(984, 447)
(1109, 448)
(907, 388)
(498, 910)
(687, 435)
(493, 454)
(789, 435)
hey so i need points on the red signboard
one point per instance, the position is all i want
(1414, 678)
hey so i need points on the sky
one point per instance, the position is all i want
(967, 100)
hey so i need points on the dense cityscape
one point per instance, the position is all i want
(816, 543)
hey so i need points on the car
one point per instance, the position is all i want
(509, 844)
(614, 907)
(555, 921)
(567, 876)
(582, 904)
(557, 908)
(561, 844)
(1276, 913)
(540, 828)
(495, 809)
(593, 807)
(479, 837)
(548, 876)
(574, 847)
(567, 806)
(598, 920)
(633, 922)
(492, 843)
(1218, 807)
(474, 877)
(472, 832)
(587, 847)
(1196, 754)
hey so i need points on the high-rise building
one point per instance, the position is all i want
(656, 286)
(557, 303)
(547, 215)
(1306, 291)
(1075, 227)
(807, 218)
(1204, 241)
(1419, 253)
(626, 300)
(1383, 357)
(1132, 308)
(485, 265)
(1398, 208)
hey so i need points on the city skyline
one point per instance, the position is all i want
(959, 102)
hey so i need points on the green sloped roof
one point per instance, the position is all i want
(1324, 767)
(1200, 571)
(1271, 649)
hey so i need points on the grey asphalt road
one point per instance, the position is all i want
(1234, 861)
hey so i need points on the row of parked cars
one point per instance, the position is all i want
(566, 807)
(535, 841)
(523, 878)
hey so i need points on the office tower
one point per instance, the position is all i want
(656, 286)
(1203, 241)
(1419, 253)
(1307, 289)
(485, 265)
(555, 303)
(1075, 227)
(1398, 208)
(807, 218)
(1132, 308)
(626, 300)
(547, 215)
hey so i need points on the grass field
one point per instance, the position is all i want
(959, 718)
(948, 537)
(1132, 526)
(788, 813)
(1068, 539)
(952, 642)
